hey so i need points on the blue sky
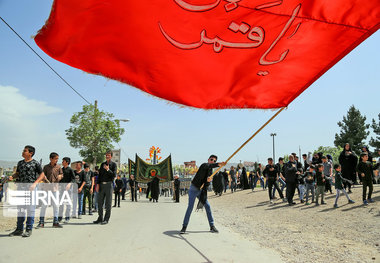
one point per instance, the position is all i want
(36, 106)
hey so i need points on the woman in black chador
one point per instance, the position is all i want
(155, 189)
(348, 160)
(218, 183)
(244, 180)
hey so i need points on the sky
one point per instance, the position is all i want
(36, 106)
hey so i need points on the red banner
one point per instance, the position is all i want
(209, 54)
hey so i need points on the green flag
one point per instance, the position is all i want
(145, 172)
(131, 167)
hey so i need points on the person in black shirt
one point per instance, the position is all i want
(155, 189)
(291, 174)
(271, 174)
(118, 188)
(88, 188)
(107, 174)
(133, 185)
(177, 186)
(79, 179)
(201, 179)
(68, 178)
(28, 171)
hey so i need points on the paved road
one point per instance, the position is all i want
(137, 232)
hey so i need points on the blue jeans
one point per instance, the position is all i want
(28, 210)
(310, 188)
(43, 212)
(80, 202)
(96, 200)
(194, 192)
(23, 210)
(302, 189)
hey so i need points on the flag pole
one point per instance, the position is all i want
(250, 138)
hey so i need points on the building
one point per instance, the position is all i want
(190, 164)
(116, 156)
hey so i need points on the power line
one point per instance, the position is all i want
(80, 95)
(45, 61)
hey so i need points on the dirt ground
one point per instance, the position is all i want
(305, 233)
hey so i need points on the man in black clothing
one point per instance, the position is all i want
(107, 174)
(88, 189)
(118, 188)
(201, 179)
(271, 173)
(291, 174)
(133, 185)
(177, 186)
(125, 181)
(69, 179)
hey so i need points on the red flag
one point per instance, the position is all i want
(209, 54)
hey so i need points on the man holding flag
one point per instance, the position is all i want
(200, 183)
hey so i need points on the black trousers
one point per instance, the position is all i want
(274, 183)
(369, 184)
(176, 195)
(117, 198)
(105, 196)
(134, 195)
(290, 190)
(123, 193)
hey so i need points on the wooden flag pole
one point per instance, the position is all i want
(247, 141)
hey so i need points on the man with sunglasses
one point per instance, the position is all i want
(201, 178)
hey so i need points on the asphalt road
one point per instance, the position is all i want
(137, 232)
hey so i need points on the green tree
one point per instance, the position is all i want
(353, 130)
(93, 131)
(375, 142)
(333, 151)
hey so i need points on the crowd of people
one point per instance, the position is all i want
(312, 178)
(93, 188)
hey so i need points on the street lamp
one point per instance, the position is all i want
(273, 134)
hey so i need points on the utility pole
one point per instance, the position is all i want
(274, 159)
(95, 110)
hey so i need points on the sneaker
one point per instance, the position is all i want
(351, 201)
(323, 203)
(271, 201)
(371, 200)
(27, 233)
(284, 200)
(79, 217)
(40, 225)
(57, 225)
(336, 206)
(307, 203)
(183, 230)
(302, 201)
(17, 232)
(213, 229)
(365, 202)
(66, 221)
(98, 221)
(316, 204)
(90, 213)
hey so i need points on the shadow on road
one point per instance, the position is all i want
(175, 234)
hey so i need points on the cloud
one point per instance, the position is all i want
(14, 106)
(23, 121)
